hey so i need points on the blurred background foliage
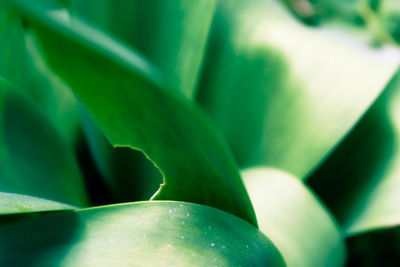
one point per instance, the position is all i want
(304, 92)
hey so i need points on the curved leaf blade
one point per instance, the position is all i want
(296, 90)
(172, 35)
(147, 233)
(125, 96)
(294, 219)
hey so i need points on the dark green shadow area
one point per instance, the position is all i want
(128, 174)
(40, 163)
(12, 218)
(376, 248)
(26, 242)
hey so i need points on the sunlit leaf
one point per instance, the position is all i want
(284, 94)
(142, 234)
(294, 219)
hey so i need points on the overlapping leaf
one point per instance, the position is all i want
(282, 93)
(21, 62)
(294, 219)
(128, 173)
(171, 34)
(364, 169)
(15, 203)
(34, 159)
(124, 94)
(141, 234)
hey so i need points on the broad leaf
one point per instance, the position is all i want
(125, 95)
(284, 94)
(294, 219)
(34, 159)
(141, 234)
(171, 34)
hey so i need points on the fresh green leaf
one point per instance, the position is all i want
(34, 159)
(294, 219)
(284, 94)
(15, 203)
(142, 234)
(171, 34)
(22, 63)
(125, 95)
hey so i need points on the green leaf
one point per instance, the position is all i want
(294, 219)
(360, 181)
(142, 234)
(284, 94)
(389, 14)
(22, 63)
(15, 203)
(124, 94)
(171, 34)
(34, 159)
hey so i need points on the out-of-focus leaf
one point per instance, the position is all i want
(142, 234)
(344, 10)
(360, 181)
(34, 159)
(284, 94)
(389, 12)
(22, 63)
(171, 34)
(126, 98)
(294, 219)
(15, 203)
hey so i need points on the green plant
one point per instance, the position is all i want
(229, 105)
